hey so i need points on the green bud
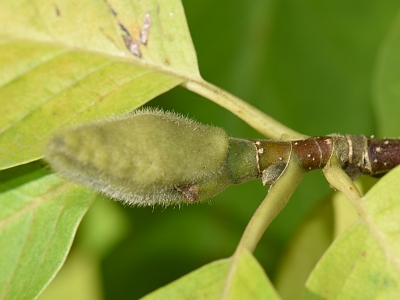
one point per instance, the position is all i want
(151, 157)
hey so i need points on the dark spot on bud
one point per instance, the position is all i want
(190, 192)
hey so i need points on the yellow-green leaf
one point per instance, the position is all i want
(239, 277)
(247, 280)
(364, 262)
(38, 219)
(65, 62)
(96, 26)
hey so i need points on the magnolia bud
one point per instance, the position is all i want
(150, 157)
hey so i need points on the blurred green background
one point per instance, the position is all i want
(309, 64)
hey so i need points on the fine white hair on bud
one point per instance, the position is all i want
(146, 158)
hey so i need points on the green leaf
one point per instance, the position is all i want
(66, 62)
(38, 220)
(387, 82)
(104, 226)
(364, 262)
(204, 283)
(248, 280)
(239, 277)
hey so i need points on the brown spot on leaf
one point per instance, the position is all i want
(132, 45)
(58, 13)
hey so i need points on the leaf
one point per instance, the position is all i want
(387, 82)
(204, 283)
(239, 277)
(64, 62)
(38, 221)
(364, 262)
(103, 226)
(248, 279)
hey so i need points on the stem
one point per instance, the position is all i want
(278, 195)
(340, 180)
(263, 123)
